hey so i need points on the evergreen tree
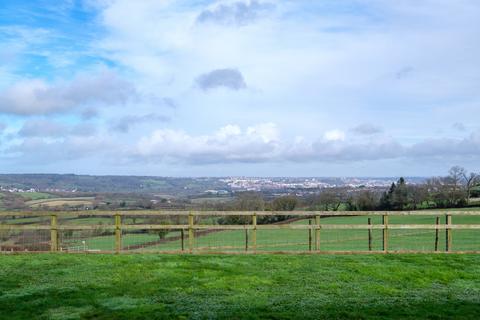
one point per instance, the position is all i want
(386, 199)
(399, 199)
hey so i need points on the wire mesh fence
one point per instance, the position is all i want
(241, 232)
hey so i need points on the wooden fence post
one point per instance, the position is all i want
(254, 232)
(369, 235)
(191, 234)
(246, 239)
(53, 233)
(437, 223)
(310, 235)
(317, 233)
(448, 233)
(118, 233)
(385, 233)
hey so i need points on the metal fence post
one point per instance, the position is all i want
(53, 233)
(317, 232)
(437, 223)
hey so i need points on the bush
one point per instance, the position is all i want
(162, 233)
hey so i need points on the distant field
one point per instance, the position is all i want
(58, 202)
(475, 201)
(35, 195)
(148, 286)
(212, 199)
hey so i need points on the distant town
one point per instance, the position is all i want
(265, 184)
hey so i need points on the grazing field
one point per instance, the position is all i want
(58, 202)
(102, 238)
(55, 286)
(297, 240)
(35, 195)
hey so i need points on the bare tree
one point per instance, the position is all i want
(332, 198)
(461, 179)
(417, 194)
(471, 180)
(285, 203)
(446, 192)
(456, 175)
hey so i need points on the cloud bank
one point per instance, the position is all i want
(36, 96)
(238, 13)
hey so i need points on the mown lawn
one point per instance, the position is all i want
(149, 286)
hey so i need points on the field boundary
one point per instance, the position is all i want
(193, 229)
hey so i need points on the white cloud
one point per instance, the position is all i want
(38, 128)
(36, 96)
(367, 129)
(125, 123)
(459, 126)
(35, 149)
(447, 147)
(228, 144)
(263, 143)
(238, 13)
(334, 135)
(43, 128)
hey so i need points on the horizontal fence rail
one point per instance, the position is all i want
(239, 232)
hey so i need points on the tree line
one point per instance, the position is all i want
(452, 191)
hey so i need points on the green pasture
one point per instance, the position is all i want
(35, 195)
(57, 202)
(148, 286)
(283, 239)
(339, 240)
(102, 238)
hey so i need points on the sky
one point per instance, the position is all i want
(239, 88)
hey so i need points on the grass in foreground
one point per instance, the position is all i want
(262, 286)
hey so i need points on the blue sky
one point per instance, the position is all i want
(240, 87)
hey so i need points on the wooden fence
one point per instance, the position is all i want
(313, 223)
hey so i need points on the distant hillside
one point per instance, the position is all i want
(184, 186)
(121, 184)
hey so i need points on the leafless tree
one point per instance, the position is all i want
(332, 198)
(462, 179)
(446, 192)
(417, 195)
(366, 200)
(471, 180)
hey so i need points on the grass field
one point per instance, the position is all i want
(35, 195)
(103, 239)
(239, 287)
(297, 240)
(58, 202)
